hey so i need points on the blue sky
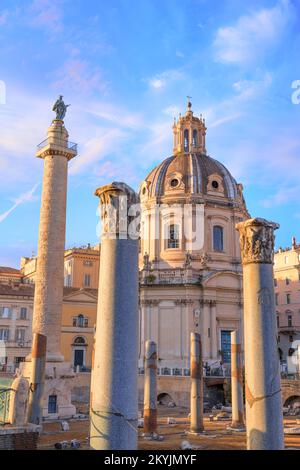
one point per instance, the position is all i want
(126, 68)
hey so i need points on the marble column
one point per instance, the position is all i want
(37, 379)
(56, 152)
(114, 394)
(150, 388)
(196, 424)
(237, 402)
(206, 329)
(264, 420)
(213, 330)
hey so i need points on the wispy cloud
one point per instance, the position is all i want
(249, 89)
(79, 76)
(47, 15)
(116, 115)
(162, 80)
(224, 119)
(171, 111)
(252, 35)
(284, 195)
(95, 149)
(22, 199)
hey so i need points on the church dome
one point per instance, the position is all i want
(193, 173)
(190, 171)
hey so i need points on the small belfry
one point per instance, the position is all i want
(189, 133)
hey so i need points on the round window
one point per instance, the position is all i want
(174, 183)
(215, 184)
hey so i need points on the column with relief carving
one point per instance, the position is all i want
(114, 399)
(264, 421)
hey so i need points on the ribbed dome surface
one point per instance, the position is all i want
(195, 169)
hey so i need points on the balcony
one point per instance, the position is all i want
(17, 344)
(60, 145)
(66, 144)
(170, 276)
(289, 329)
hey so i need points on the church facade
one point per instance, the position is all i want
(190, 266)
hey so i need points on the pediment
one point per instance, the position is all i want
(225, 279)
(81, 295)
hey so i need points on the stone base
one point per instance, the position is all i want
(236, 429)
(294, 430)
(59, 381)
(193, 433)
(152, 436)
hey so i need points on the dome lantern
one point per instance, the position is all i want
(189, 133)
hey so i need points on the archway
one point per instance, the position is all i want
(164, 399)
(293, 401)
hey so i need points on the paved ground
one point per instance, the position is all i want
(216, 436)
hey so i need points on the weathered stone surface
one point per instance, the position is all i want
(150, 388)
(236, 382)
(196, 423)
(18, 402)
(264, 421)
(50, 261)
(114, 403)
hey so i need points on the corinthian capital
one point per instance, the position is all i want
(120, 211)
(257, 240)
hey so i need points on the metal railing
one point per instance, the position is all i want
(69, 145)
(215, 372)
(5, 394)
(82, 369)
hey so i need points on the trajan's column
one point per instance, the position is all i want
(56, 151)
(264, 421)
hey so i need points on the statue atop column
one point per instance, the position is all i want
(60, 108)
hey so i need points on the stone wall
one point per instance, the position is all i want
(80, 393)
(178, 389)
(15, 438)
(290, 389)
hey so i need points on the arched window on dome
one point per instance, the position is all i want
(173, 236)
(195, 138)
(186, 140)
(218, 238)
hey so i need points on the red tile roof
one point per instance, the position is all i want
(8, 270)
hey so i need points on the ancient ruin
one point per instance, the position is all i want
(264, 422)
(196, 424)
(114, 401)
(150, 389)
(237, 387)
(56, 151)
